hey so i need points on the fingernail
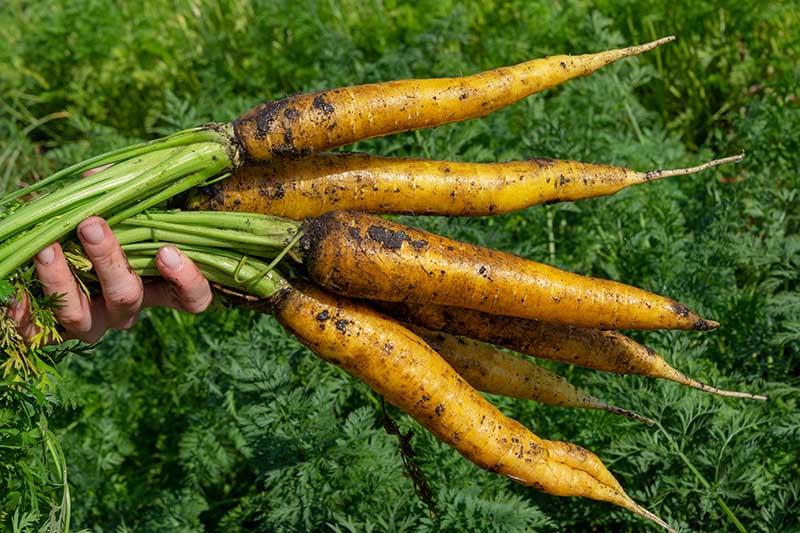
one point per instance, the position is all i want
(46, 256)
(171, 258)
(92, 233)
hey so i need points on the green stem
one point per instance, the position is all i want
(135, 242)
(59, 201)
(265, 283)
(252, 223)
(146, 266)
(211, 133)
(189, 160)
(727, 510)
(276, 240)
(10, 247)
(162, 196)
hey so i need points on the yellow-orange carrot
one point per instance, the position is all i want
(400, 366)
(327, 119)
(315, 184)
(491, 370)
(365, 256)
(608, 351)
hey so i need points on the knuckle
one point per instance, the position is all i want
(186, 279)
(103, 259)
(126, 297)
(76, 321)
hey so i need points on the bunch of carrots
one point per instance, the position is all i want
(279, 224)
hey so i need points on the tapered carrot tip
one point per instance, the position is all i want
(663, 40)
(652, 44)
(629, 414)
(683, 379)
(729, 393)
(604, 58)
(668, 173)
(641, 511)
(705, 325)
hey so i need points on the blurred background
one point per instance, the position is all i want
(223, 422)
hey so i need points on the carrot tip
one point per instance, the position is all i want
(668, 173)
(641, 48)
(721, 392)
(627, 413)
(705, 325)
(658, 42)
(641, 511)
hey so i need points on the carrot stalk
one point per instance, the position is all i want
(319, 121)
(180, 170)
(608, 351)
(491, 370)
(365, 256)
(310, 186)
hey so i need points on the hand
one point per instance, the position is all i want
(123, 293)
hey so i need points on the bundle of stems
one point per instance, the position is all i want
(234, 250)
(139, 177)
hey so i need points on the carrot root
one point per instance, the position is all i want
(625, 412)
(319, 121)
(491, 370)
(693, 383)
(365, 256)
(400, 366)
(668, 173)
(309, 186)
(607, 351)
(641, 511)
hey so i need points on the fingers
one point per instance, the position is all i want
(184, 286)
(122, 288)
(75, 310)
(19, 311)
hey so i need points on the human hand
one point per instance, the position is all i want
(123, 293)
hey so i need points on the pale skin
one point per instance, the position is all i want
(123, 292)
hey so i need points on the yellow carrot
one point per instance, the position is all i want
(491, 370)
(319, 121)
(365, 256)
(316, 184)
(608, 351)
(400, 366)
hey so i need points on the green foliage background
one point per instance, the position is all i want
(223, 422)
